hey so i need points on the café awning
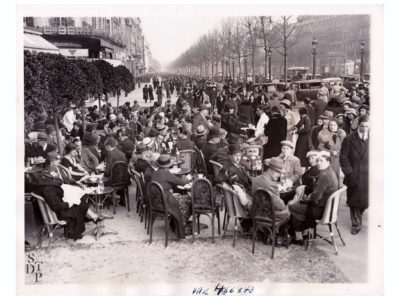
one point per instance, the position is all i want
(34, 42)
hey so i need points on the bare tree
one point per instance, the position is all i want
(250, 23)
(268, 35)
(285, 38)
(238, 42)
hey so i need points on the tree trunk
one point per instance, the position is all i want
(118, 93)
(252, 66)
(265, 62)
(83, 116)
(100, 111)
(240, 71)
(223, 69)
(57, 134)
(212, 70)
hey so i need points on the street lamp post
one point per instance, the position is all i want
(269, 63)
(362, 46)
(314, 44)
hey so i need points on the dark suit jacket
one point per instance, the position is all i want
(232, 174)
(354, 160)
(112, 157)
(185, 144)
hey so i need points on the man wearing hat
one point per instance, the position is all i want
(230, 121)
(113, 155)
(234, 174)
(211, 147)
(269, 181)
(351, 121)
(183, 142)
(200, 136)
(69, 117)
(291, 164)
(44, 146)
(313, 137)
(201, 118)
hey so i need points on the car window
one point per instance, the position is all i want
(315, 85)
(271, 88)
(304, 86)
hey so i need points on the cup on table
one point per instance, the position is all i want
(200, 176)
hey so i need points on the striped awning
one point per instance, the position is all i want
(34, 42)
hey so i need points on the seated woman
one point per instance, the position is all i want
(69, 161)
(310, 176)
(291, 164)
(69, 207)
(179, 206)
(311, 207)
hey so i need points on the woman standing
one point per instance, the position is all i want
(290, 117)
(337, 137)
(303, 130)
(145, 93)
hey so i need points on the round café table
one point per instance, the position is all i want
(182, 171)
(34, 169)
(98, 197)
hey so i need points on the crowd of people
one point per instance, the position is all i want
(307, 147)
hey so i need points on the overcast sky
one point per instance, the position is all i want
(170, 36)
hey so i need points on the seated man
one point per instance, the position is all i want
(236, 175)
(113, 155)
(211, 147)
(311, 207)
(268, 181)
(291, 164)
(183, 142)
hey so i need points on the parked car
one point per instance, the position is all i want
(350, 80)
(331, 81)
(271, 88)
(307, 88)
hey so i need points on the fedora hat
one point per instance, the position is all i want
(327, 115)
(164, 161)
(287, 143)
(234, 148)
(200, 130)
(204, 106)
(42, 136)
(214, 132)
(275, 164)
(286, 102)
(140, 148)
(351, 111)
(148, 142)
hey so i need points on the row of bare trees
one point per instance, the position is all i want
(235, 40)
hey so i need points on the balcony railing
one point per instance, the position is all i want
(85, 31)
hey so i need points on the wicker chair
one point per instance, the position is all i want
(203, 203)
(157, 208)
(264, 218)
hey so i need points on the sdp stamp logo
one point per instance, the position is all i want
(33, 267)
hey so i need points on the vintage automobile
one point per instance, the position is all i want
(350, 80)
(331, 81)
(271, 88)
(307, 88)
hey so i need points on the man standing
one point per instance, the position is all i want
(201, 118)
(70, 118)
(354, 163)
(275, 131)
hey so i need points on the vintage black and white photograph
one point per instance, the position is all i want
(208, 153)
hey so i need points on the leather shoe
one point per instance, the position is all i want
(355, 230)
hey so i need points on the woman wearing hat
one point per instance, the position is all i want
(312, 206)
(179, 206)
(310, 175)
(69, 161)
(351, 121)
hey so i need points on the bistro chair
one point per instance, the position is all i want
(50, 219)
(203, 203)
(157, 208)
(329, 218)
(141, 200)
(201, 163)
(65, 174)
(233, 209)
(216, 167)
(263, 215)
(120, 181)
(189, 157)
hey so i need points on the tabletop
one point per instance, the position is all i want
(180, 172)
(96, 191)
(33, 169)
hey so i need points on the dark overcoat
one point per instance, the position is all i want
(275, 130)
(355, 166)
